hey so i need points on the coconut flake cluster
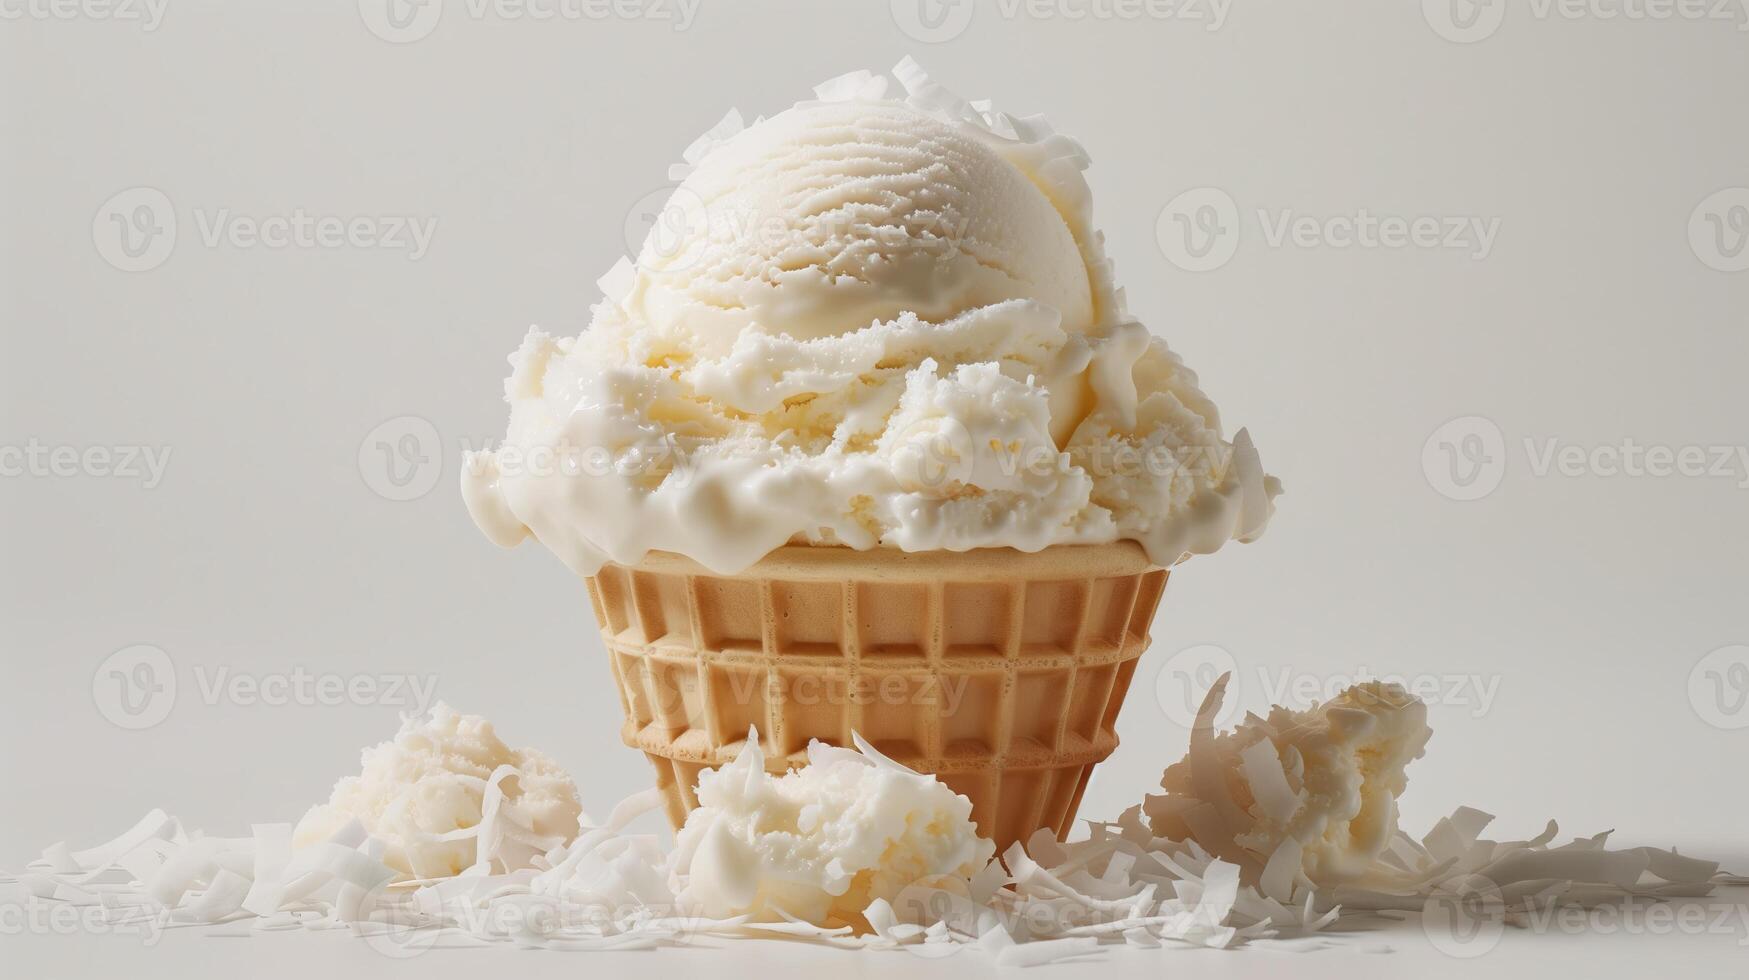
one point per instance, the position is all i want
(446, 794)
(820, 843)
(1312, 792)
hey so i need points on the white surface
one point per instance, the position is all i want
(187, 952)
(1584, 603)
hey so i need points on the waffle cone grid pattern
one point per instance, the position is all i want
(1001, 672)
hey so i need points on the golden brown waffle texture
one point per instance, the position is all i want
(999, 671)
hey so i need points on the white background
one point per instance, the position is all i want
(1583, 601)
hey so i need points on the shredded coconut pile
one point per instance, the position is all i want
(1305, 803)
(1313, 791)
(858, 852)
(823, 842)
(446, 794)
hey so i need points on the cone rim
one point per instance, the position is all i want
(837, 562)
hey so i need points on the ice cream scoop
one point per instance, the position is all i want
(869, 321)
(833, 215)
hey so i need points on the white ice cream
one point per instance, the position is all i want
(1311, 791)
(426, 793)
(873, 322)
(820, 843)
(835, 215)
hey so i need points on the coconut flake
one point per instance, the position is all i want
(1281, 871)
(221, 899)
(155, 825)
(1263, 771)
(855, 86)
(616, 283)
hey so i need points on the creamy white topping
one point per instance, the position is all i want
(879, 322)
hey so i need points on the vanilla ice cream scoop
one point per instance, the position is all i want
(834, 215)
(869, 321)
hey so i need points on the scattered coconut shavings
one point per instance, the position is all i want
(1047, 901)
(159, 872)
(1305, 803)
(1454, 860)
(613, 889)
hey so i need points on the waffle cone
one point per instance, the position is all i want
(999, 671)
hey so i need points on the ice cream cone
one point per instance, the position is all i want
(1000, 671)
